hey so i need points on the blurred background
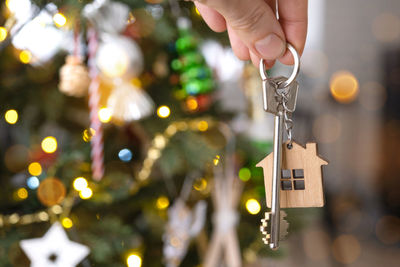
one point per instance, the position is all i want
(133, 126)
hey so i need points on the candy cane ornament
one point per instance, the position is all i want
(94, 98)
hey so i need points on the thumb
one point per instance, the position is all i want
(254, 22)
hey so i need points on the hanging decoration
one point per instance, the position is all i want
(94, 98)
(54, 249)
(74, 77)
(119, 60)
(183, 224)
(195, 77)
(223, 249)
(128, 102)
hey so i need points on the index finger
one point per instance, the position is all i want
(293, 19)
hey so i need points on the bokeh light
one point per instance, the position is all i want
(134, 260)
(244, 174)
(253, 206)
(88, 134)
(327, 128)
(388, 230)
(22, 193)
(346, 249)
(202, 126)
(49, 144)
(86, 193)
(25, 56)
(200, 184)
(192, 104)
(162, 203)
(216, 160)
(344, 87)
(3, 34)
(35, 169)
(67, 222)
(51, 191)
(163, 112)
(11, 116)
(105, 115)
(59, 20)
(80, 183)
(386, 27)
(33, 182)
(125, 155)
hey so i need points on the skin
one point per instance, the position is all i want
(249, 21)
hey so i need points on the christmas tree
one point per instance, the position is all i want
(116, 126)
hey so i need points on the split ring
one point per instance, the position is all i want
(296, 68)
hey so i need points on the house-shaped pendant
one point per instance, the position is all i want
(301, 176)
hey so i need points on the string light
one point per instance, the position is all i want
(86, 193)
(244, 174)
(162, 203)
(197, 11)
(25, 56)
(80, 183)
(134, 260)
(216, 160)
(35, 169)
(125, 155)
(49, 144)
(67, 222)
(191, 104)
(3, 34)
(22, 193)
(203, 126)
(88, 134)
(11, 116)
(59, 19)
(200, 184)
(105, 115)
(33, 182)
(253, 206)
(163, 112)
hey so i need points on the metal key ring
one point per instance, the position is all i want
(296, 68)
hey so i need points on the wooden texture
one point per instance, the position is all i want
(298, 157)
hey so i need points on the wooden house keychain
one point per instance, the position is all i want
(292, 173)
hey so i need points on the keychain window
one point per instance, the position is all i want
(292, 179)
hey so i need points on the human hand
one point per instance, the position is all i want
(253, 29)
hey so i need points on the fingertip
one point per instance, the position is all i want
(214, 20)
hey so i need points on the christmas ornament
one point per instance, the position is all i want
(74, 77)
(292, 173)
(128, 102)
(224, 249)
(107, 16)
(54, 249)
(195, 77)
(119, 57)
(96, 141)
(51, 191)
(183, 224)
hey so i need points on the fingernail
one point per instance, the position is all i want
(271, 47)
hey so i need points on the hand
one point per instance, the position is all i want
(253, 29)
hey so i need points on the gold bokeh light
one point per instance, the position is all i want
(344, 87)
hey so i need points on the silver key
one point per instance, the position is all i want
(276, 178)
(272, 97)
